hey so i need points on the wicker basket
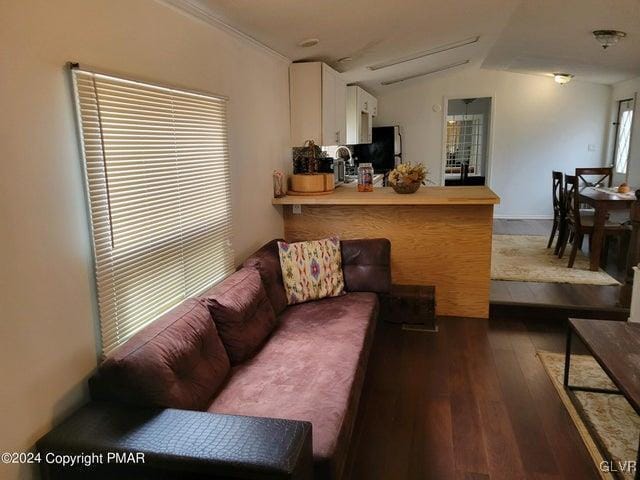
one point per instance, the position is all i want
(405, 187)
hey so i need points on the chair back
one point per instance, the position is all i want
(572, 199)
(558, 193)
(594, 176)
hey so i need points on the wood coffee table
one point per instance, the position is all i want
(616, 347)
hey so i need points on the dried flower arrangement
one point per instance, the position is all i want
(407, 178)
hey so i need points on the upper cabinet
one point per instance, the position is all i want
(361, 108)
(318, 104)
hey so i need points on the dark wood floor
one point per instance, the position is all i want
(473, 401)
(470, 402)
(594, 297)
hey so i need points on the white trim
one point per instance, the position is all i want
(522, 217)
(192, 8)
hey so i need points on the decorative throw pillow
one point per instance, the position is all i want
(311, 270)
(242, 313)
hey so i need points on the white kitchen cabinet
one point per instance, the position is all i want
(318, 104)
(361, 108)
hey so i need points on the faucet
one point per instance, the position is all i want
(350, 160)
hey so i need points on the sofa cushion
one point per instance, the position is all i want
(178, 361)
(267, 261)
(366, 264)
(311, 270)
(242, 312)
(312, 368)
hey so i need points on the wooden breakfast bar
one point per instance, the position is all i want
(439, 236)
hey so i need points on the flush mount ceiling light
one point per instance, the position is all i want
(309, 42)
(433, 51)
(608, 38)
(562, 78)
(441, 69)
(345, 60)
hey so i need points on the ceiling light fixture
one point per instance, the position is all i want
(433, 51)
(441, 69)
(562, 78)
(309, 42)
(608, 38)
(345, 60)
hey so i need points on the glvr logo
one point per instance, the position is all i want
(628, 466)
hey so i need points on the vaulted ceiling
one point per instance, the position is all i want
(537, 37)
(546, 36)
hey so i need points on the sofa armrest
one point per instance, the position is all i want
(366, 264)
(178, 444)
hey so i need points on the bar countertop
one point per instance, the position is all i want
(386, 196)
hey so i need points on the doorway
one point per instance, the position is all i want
(466, 141)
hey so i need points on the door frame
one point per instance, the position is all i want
(443, 126)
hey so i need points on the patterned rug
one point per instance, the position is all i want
(526, 258)
(611, 416)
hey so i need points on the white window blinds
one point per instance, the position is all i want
(157, 172)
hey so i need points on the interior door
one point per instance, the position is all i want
(466, 148)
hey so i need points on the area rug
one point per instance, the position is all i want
(613, 419)
(526, 258)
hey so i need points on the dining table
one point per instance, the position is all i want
(603, 200)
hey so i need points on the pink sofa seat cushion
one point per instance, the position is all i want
(242, 313)
(311, 369)
(178, 361)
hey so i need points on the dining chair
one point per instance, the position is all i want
(558, 207)
(594, 177)
(579, 223)
(602, 175)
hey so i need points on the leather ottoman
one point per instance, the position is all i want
(414, 306)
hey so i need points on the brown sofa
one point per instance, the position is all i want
(239, 352)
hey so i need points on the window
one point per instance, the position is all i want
(157, 172)
(465, 134)
(623, 135)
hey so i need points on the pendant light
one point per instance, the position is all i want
(608, 38)
(562, 78)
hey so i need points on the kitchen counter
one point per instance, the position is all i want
(439, 236)
(344, 195)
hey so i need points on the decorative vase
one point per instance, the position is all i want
(405, 187)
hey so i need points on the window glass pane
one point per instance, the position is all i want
(623, 136)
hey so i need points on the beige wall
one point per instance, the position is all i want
(538, 126)
(47, 324)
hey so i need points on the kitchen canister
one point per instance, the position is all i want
(365, 177)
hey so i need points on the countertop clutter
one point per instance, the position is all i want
(386, 196)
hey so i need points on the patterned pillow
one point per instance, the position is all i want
(311, 270)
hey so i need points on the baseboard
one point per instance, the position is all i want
(522, 217)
